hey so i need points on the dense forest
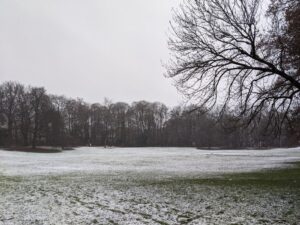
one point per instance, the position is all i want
(30, 116)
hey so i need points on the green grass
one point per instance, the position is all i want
(4, 179)
(279, 177)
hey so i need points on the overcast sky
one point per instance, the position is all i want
(89, 49)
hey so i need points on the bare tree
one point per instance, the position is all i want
(284, 35)
(24, 114)
(119, 114)
(222, 56)
(10, 92)
(37, 99)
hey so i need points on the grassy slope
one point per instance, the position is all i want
(280, 177)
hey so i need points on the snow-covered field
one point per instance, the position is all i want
(161, 161)
(142, 186)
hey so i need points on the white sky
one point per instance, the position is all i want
(88, 48)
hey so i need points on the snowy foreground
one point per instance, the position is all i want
(142, 186)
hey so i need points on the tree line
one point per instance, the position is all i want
(29, 116)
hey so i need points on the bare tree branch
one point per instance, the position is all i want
(221, 59)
